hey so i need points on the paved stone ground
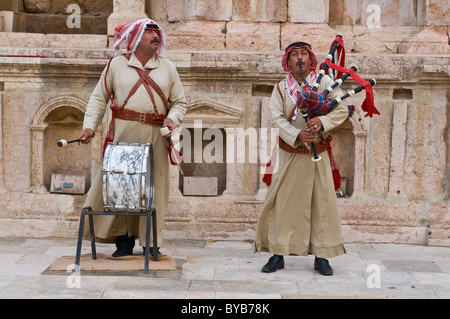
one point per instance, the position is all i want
(227, 270)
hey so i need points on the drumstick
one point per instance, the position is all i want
(62, 143)
(164, 132)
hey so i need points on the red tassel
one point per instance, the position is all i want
(334, 170)
(174, 152)
(267, 179)
(336, 179)
(179, 156)
(368, 105)
(270, 166)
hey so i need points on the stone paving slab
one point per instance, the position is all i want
(426, 266)
(228, 270)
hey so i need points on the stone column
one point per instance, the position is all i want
(235, 164)
(37, 168)
(398, 149)
(2, 185)
(360, 135)
(125, 11)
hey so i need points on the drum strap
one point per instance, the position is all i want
(144, 118)
(123, 114)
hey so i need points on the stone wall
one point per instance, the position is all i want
(228, 55)
(52, 16)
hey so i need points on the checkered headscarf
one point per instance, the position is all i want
(298, 45)
(131, 33)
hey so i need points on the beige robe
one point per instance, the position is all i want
(121, 77)
(300, 214)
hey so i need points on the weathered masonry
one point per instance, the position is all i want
(228, 54)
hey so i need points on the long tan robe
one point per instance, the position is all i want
(120, 78)
(300, 214)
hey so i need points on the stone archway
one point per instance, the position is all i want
(38, 128)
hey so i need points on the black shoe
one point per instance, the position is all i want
(322, 265)
(122, 252)
(275, 262)
(151, 251)
(124, 245)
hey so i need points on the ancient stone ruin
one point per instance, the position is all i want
(228, 54)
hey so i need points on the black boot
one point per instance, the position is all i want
(124, 245)
(322, 265)
(151, 251)
(275, 262)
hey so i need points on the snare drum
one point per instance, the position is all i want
(128, 177)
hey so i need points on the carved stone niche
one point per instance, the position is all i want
(60, 118)
(205, 140)
(348, 146)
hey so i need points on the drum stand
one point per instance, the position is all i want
(151, 218)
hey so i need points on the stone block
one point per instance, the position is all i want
(61, 24)
(260, 10)
(384, 40)
(88, 7)
(77, 41)
(68, 184)
(306, 11)
(36, 6)
(431, 40)
(176, 10)
(125, 11)
(12, 21)
(253, 36)
(200, 186)
(195, 35)
(209, 10)
(11, 5)
(392, 13)
(319, 36)
(434, 12)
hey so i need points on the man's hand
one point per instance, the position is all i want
(314, 125)
(306, 137)
(85, 136)
(169, 124)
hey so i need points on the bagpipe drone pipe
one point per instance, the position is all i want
(317, 103)
(312, 104)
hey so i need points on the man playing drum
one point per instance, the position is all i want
(300, 214)
(140, 91)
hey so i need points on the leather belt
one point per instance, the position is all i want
(144, 118)
(320, 147)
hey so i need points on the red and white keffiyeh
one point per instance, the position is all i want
(131, 33)
(290, 80)
(298, 45)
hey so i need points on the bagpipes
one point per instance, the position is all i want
(312, 104)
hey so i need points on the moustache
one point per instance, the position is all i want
(154, 40)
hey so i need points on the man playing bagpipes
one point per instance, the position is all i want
(300, 213)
